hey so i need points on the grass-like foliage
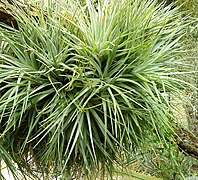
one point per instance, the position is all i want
(82, 85)
(189, 7)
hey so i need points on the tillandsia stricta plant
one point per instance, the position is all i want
(81, 85)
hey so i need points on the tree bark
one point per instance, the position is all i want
(187, 142)
(6, 14)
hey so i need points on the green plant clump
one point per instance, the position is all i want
(81, 86)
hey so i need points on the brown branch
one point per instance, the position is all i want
(7, 9)
(8, 19)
